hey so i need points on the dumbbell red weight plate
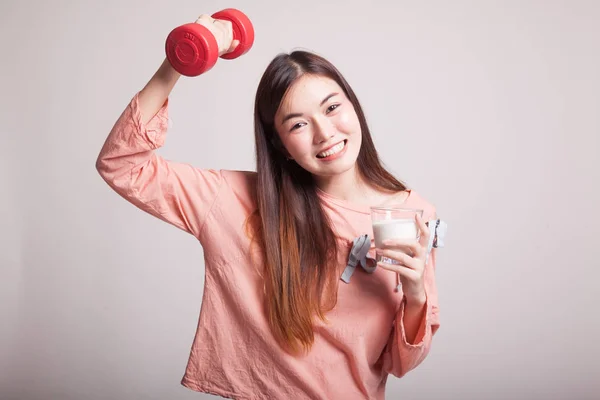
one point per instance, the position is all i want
(191, 49)
(242, 31)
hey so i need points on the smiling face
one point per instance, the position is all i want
(318, 126)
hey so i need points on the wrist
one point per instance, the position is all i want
(166, 74)
(416, 301)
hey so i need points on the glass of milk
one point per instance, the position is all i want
(394, 223)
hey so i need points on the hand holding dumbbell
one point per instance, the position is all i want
(194, 48)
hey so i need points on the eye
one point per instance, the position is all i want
(332, 108)
(297, 126)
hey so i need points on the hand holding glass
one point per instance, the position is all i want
(394, 223)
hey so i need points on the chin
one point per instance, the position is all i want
(339, 169)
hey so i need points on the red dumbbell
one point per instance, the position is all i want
(192, 49)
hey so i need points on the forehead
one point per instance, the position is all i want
(308, 91)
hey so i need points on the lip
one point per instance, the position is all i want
(336, 155)
(330, 147)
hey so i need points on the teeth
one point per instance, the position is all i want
(338, 147)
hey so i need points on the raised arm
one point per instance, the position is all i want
(177, 193)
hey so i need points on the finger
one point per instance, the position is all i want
(399, 269)
(208, 22)
(218, 24)
(234, 44)
(228, 25)
(204, 18)
(403, 258)
(409, 246)
(424, 239)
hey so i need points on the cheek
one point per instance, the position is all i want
(348, 122)
(298, 145)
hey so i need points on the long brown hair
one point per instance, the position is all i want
(296, 238)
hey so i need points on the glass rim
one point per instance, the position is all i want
(395, 208)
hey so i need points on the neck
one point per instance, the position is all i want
(348, 186)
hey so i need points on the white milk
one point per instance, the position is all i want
(394, 229)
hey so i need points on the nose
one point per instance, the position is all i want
(323, 130)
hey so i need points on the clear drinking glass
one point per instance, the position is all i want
(394, 223)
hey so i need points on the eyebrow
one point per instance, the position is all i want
(290, 116)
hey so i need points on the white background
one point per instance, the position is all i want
(489, 109)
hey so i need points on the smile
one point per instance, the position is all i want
(332, 150)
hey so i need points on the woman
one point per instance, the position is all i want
(276, 321)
